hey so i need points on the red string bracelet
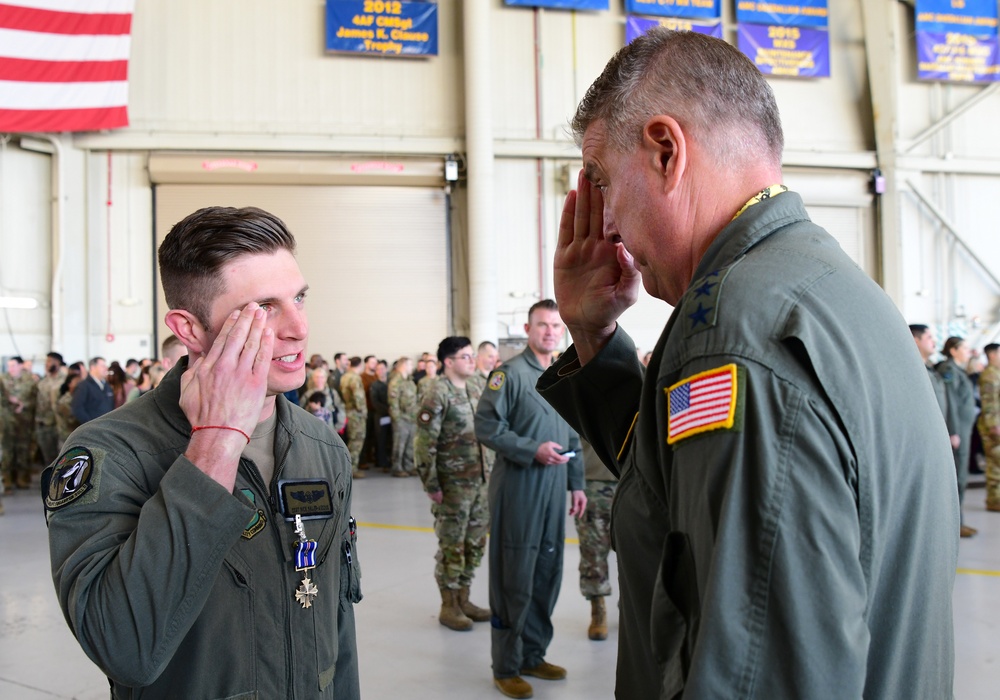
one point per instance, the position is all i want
(196, 428)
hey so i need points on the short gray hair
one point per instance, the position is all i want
(707, 85)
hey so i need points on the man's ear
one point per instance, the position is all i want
(189, 331)
(666, 144)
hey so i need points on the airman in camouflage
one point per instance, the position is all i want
(19, 394)
(66, 421)
(46, 433)
(427, 381)
(403, 412)
(352, 389)
(593, 528)
(989, 424)
(454, 474)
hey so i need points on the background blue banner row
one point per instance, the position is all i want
(562, 4)
(796, 52)
(978, 17)
(961, 58)
(686, 9)
(795, 13)
(382, 27)
(637, 26)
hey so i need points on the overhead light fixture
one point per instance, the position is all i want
(18, 303)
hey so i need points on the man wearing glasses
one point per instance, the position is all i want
(454, 473)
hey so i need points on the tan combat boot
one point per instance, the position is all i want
(451, 615)
(23, 479)
(598, 629)
(515, 687)
(472, 611)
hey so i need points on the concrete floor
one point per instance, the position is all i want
(404, 652)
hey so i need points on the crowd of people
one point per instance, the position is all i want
(784, 477)
(39, 412)
(967, 388)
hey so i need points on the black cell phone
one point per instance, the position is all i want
(568, 453)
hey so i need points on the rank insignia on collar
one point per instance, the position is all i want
(705, 401)
(71, 478)
(496, 380)
(700, 306)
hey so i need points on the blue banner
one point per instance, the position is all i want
(688, 9)
(795, 52)
(382, 27)
(960, 58)
(976, 17)
(794, 13)
(561, 4)
(637, 26)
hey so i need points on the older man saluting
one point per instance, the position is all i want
(786, 521)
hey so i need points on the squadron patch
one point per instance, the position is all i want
(496, 380)
(424, 417)
(258, 521)
(71, 478)
(705, 401)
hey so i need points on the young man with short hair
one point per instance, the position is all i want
(201, 538)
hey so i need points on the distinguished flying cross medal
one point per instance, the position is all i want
(305, 559)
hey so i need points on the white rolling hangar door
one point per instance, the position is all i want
(371, 239)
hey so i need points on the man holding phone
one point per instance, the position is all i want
(527, 498)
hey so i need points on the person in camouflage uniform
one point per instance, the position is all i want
(427, 381)
(66, 422)
(989, 424)
(352, 389)
(593, 527)
(403, 411)
(454, 474)
(19, 395)
(46, 433)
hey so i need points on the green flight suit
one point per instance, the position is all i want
(178, 588)
(527, 512)
(798, 539)
(960, 417)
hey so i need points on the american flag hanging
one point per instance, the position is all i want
(705, 401)
(64, 64)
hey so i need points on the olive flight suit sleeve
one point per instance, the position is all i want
(599, 405)
(132, 569)
(769, 511)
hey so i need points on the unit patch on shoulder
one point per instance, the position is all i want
(424, 417)
(71, 478)
(496, 380)
(710, 400)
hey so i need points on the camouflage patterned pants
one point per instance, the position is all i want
(402, 445)
(47, 438)
(991, 448)
(16, 458)
(461, 522)
(356, 429)
(594, 531)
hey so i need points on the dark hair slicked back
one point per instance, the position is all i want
(193, 254)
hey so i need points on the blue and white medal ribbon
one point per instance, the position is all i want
(305, 559)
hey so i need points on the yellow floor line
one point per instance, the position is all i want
(412, 528)
(573, 540)
(979, 572)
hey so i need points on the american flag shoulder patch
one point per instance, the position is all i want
(702, 402)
